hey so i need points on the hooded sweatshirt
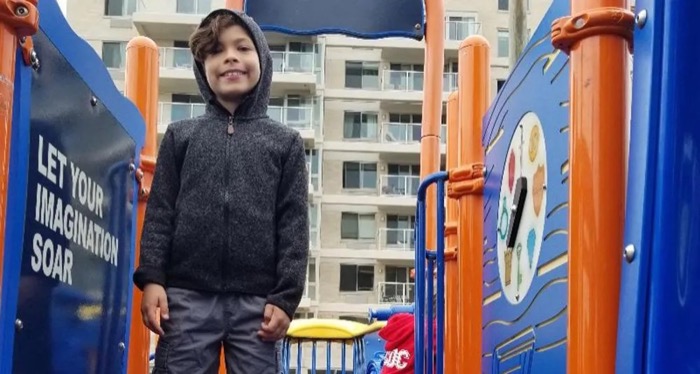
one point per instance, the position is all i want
(229, 212)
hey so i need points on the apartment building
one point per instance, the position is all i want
(357, 104)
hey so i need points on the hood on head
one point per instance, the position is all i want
(254, 105)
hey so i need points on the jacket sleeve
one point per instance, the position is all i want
(292, 230)
(158, 224)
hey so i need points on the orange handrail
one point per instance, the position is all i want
(597, 193)
(452, 315)
(17, 19)
(142, 88)
(474, 81)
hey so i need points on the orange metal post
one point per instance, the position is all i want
(474, 81)
(597, 194)
(17, 19)
(432, 108)
(142, 88)
(452, 349)
(234, 4)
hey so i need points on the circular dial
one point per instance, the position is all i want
(521, 208)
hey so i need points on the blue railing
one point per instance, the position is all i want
(430, 302)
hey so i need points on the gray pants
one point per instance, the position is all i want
(201, 323)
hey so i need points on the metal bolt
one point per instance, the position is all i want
(21, 11)
(418, 26)
(579, 23)
(18, 324)
(93, 101)
(629, 253)
(34, 60)
(122, 346)
(132, 167)
(641, 18)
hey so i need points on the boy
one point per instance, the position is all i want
(225, 241)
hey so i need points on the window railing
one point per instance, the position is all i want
(411, 81)
(406, 133)
(396, 239)
(399, 185)
(176, 58)
(293, 62)
(400, 293)
(171, 112)
(195, 7)
(460, 30)
(296, 117)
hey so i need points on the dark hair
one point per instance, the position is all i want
(205, 40)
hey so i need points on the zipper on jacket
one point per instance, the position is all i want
(230, 126)
(227, 203)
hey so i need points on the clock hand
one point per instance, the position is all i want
(517, 211)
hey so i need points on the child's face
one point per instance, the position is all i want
(234, 68)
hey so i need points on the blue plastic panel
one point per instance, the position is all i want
(525, 134)
(674, 300)
(367, 19)
(70, 148)
(639, 217)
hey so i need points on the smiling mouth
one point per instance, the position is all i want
(232, 73)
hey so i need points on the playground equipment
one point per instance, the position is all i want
(555, 254)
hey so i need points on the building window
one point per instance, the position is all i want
(314, 212)
(193, 6)
(114, 54)
(503, 5)
(363, 75)
(313, 163)
(310, 290)
(359, 175)
(355, 226)
(499, 84)
(119, 8)
(400, 231)
(503, 43)
(355, 278)
(459, 28)
(358, 125)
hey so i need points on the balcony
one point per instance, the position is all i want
(171, 112)
(399, 185)
(393, 239)
(393, 87)
(168, 19)
(412, 81)
(457, 31)
(176, 70)
(300, 118)
(393, 138)
(396, 293)
(294, 70)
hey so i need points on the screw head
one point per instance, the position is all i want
(641, 18)
(93, 101)
(629, 253)
(122, 346)
(18, 324)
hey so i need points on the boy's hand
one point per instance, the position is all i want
(154, 297)
(275, 324)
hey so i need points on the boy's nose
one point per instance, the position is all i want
(231, 55)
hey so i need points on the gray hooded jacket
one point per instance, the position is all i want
(229, 213)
